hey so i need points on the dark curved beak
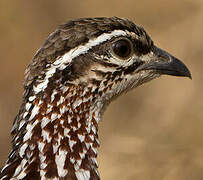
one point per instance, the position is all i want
(164, 63)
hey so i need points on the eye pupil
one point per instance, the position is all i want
(122, 48)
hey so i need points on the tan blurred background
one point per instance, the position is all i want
(152, 133)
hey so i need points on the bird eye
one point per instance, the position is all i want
(122, 48)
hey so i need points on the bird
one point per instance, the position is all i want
(80, 68)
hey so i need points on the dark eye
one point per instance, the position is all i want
(122, 48)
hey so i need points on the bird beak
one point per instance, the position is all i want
(164, 63)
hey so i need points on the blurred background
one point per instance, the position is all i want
(154, 132)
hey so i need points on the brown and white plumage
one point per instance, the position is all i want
(79, 69)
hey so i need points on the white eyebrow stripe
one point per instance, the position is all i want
(62, 62)
(82, 49)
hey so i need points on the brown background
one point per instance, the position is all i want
(152, 133)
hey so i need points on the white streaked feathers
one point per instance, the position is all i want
(34, 112)
(82, 174)
(29, 129)
(60, 159)
(60, 155)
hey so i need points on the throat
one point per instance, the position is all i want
(61, 137)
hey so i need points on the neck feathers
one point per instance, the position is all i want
(56, 137)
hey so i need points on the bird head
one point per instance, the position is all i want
(107, 55)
